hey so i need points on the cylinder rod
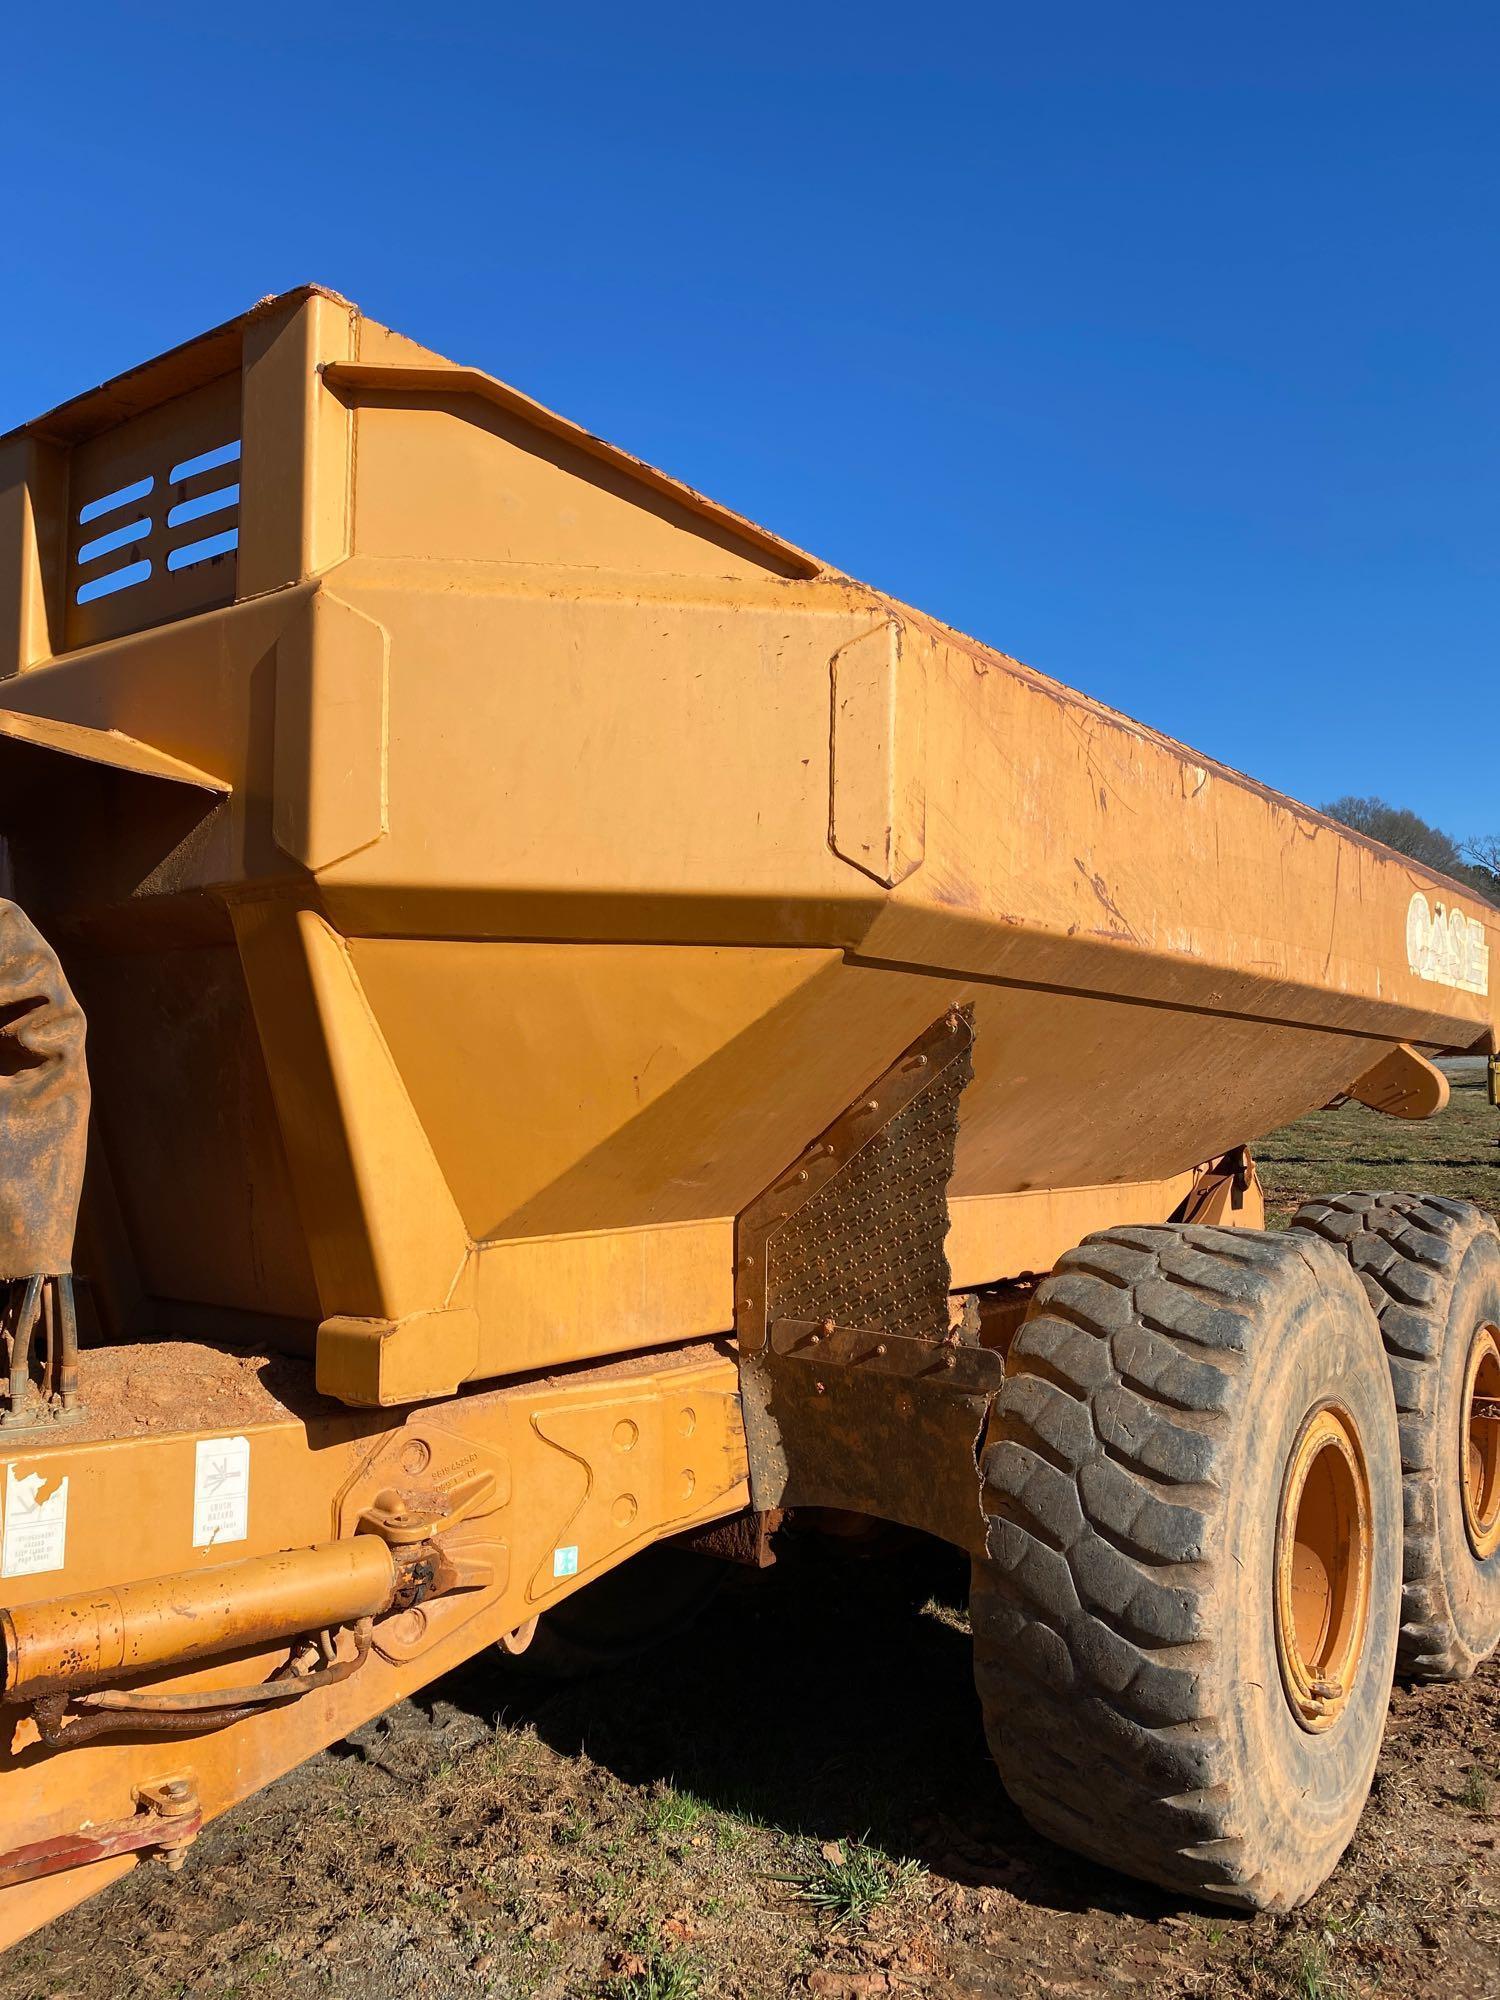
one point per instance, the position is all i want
(165, 1622)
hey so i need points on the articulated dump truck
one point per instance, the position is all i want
(603, 1031)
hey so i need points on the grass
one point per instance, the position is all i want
(1328, 1152)
(848, 1881)
(659, 1975)
(674, 1813)
(1308, 1976)
(1475, 1794)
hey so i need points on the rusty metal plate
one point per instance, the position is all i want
(969, 1369)
(854, 1229)
(857, 1392)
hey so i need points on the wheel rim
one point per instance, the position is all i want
(1324, 1537)
(1479, 1443)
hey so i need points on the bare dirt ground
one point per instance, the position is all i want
(795, 1798)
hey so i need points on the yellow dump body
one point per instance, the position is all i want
(490, 863)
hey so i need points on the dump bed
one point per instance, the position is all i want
(485, 863)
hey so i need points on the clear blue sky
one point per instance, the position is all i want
(1155, 344)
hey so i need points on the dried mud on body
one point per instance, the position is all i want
(794, 1797)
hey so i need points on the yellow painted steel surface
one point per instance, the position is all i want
(116, 1630)
(586, 850)
(577, 1474)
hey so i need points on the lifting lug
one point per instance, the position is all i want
(168, 1819)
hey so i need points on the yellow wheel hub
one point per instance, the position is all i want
(1323, 1557)
(1479, 1443)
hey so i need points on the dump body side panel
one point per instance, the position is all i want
(586, 847)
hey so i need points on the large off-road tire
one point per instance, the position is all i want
(1431, 1268)
(1195, 1421)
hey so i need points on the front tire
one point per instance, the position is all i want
(1431, 1269)
(1196, 1422)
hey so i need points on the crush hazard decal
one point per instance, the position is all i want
(1447, 947)
(221, 1492)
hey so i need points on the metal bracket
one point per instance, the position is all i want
(858, 1392)
(1403, 1084)
(169, 1820)
(1219, 1193)
(968, 1370)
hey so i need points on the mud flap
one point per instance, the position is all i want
(861, 1389)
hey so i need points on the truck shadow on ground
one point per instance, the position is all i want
(828, 1697)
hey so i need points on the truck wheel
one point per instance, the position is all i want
(1431, 1268)
(1185, 1628)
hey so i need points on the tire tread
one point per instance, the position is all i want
(1407, 1250)
(1105, 1486)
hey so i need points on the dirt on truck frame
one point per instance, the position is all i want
(604, 1031)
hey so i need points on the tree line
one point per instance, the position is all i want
(1474, 860)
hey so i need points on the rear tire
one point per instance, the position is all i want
(1135, 1671)
(1431, 1269)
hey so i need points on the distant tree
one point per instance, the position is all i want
(1406, 831)
(1475, 861)
(1482, 852)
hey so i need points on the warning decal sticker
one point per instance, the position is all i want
(221, 1492)
(35, 1537)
